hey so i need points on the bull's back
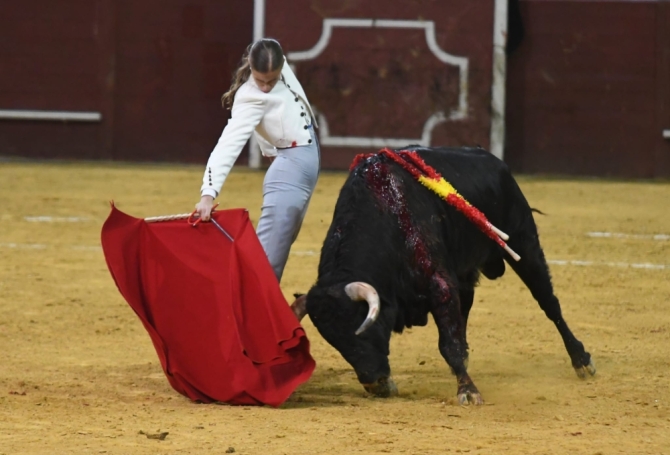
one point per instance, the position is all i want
(482, 179)
(475, 173)
(486, 183)
(363, 216)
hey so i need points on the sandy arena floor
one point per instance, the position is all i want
(78, 373)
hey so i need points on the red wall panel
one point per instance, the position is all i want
(385, 82)
(154, 69)
(662, 155)
(174, 62)
(582, 89)
(48, 61)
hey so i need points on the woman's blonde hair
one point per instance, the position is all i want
(265, 56)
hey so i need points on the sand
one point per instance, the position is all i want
(78, 373)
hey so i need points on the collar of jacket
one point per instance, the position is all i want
(291, 82)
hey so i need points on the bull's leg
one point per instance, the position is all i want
(533, 271)
(466, 294)
(466, 297)
(446, 310)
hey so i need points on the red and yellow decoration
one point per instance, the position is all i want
(431, 179)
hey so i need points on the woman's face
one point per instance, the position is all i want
(266, 81)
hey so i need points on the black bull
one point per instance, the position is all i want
(408, 253)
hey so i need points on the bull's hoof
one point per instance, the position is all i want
(469, 395)
(383, 388)
(583, 370)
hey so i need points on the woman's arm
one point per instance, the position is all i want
(247, 113)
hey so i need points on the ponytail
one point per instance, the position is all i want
(241, 76)
(265, 55)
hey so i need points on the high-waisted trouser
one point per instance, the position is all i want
(287, 189)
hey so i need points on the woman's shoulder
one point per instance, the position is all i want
(248, 93)
(245, 89)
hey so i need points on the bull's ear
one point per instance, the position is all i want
(325, 295)
(336, 291)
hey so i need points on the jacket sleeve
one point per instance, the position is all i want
(247, 113)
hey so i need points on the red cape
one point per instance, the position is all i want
(222, 329)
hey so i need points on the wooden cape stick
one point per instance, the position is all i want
(157, 219)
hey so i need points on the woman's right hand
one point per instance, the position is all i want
(204, 207)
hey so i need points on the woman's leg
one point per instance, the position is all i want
(287, 189)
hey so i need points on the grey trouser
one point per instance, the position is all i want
(287, 188)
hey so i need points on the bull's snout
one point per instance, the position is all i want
(382, 387)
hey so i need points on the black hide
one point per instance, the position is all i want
(424, 257)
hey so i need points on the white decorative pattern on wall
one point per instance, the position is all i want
(459, 113)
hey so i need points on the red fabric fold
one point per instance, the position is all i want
(220, 325)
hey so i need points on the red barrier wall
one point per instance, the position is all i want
(49, 61)
(154, 69)
(588, 89)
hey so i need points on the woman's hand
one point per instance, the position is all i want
(204, 207)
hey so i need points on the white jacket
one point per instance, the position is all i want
(279, 119)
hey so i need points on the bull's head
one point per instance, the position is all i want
(337, 312)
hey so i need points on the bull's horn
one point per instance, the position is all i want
(358, 291)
